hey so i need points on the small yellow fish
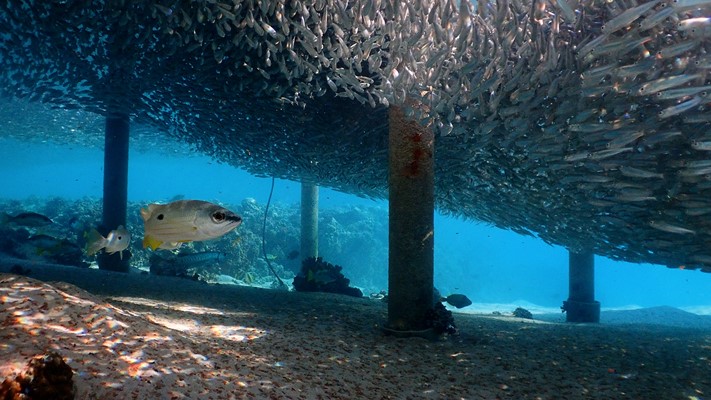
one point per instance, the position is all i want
(236, 241)
(167, 226)
(249, 278)
(116, 240)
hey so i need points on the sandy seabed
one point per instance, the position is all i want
(145, 337)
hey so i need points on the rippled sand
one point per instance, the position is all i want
(141, 336)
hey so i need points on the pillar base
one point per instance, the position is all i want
(428, 333)
(578, 311)
(115, 262)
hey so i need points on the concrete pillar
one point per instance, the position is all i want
(581, 305)
(115, 187)
(309, 220)
(411, 236)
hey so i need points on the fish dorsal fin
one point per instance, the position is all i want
(146, 213)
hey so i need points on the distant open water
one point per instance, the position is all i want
(487, 264)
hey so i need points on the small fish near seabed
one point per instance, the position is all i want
(117, 240)
(456, 300)
(45, 248)
(27, 219)
(292, 255)
(167, 226)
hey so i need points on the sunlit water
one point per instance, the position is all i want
(490, 265)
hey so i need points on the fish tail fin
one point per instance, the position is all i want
(94, 242)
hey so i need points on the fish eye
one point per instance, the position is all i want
(218, 216)
(160, 217)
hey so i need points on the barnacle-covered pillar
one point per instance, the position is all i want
(309, 220)
(411, 208)
(115, 187)
(581, 305)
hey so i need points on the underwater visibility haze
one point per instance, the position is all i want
(488, 264)
(536, 129)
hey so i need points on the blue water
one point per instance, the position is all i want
(490, 265)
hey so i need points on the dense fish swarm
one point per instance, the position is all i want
(585, 123)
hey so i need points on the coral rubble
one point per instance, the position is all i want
(47, 377)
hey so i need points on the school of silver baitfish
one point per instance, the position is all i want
(585, 123)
